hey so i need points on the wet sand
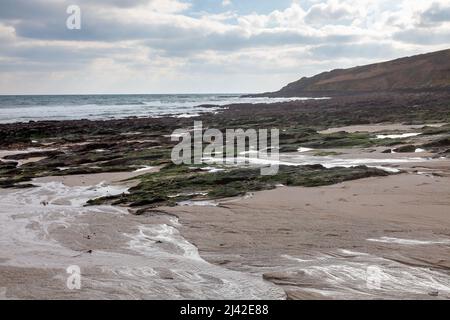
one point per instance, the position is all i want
(110, 178)
(47, 229)
(322, 242)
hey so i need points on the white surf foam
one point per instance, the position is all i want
(356, 275)
(397, 136)
(409, 242)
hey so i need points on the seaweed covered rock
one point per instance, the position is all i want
(444, 142)
(7, 165)
(180, 183)
(406, 149)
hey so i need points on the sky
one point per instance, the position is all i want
(204, 46)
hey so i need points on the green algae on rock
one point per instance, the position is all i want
(180, 183)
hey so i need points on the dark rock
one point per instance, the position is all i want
(406, 149)
(433, 293)
(444, 142)
(8, 165)
(36, 154)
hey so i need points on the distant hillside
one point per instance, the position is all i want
(424, 72)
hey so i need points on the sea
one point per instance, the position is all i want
(24, 108)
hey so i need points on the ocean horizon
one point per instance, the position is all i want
(24, 108)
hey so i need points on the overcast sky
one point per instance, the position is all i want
(202, 46)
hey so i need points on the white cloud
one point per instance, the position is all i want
(332, 12)
(7, 34)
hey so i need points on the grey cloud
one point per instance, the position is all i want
(423, 36)
(52, 57)
(227, 41)
(167, 36)
(116, 3)
(26, 9)
(96, 28)
(44, 19)
(355, 50)
(235, 40)
(32, 66)
(435, 14)
(46, 9)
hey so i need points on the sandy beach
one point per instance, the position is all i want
(319, 242)
(382, 237)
